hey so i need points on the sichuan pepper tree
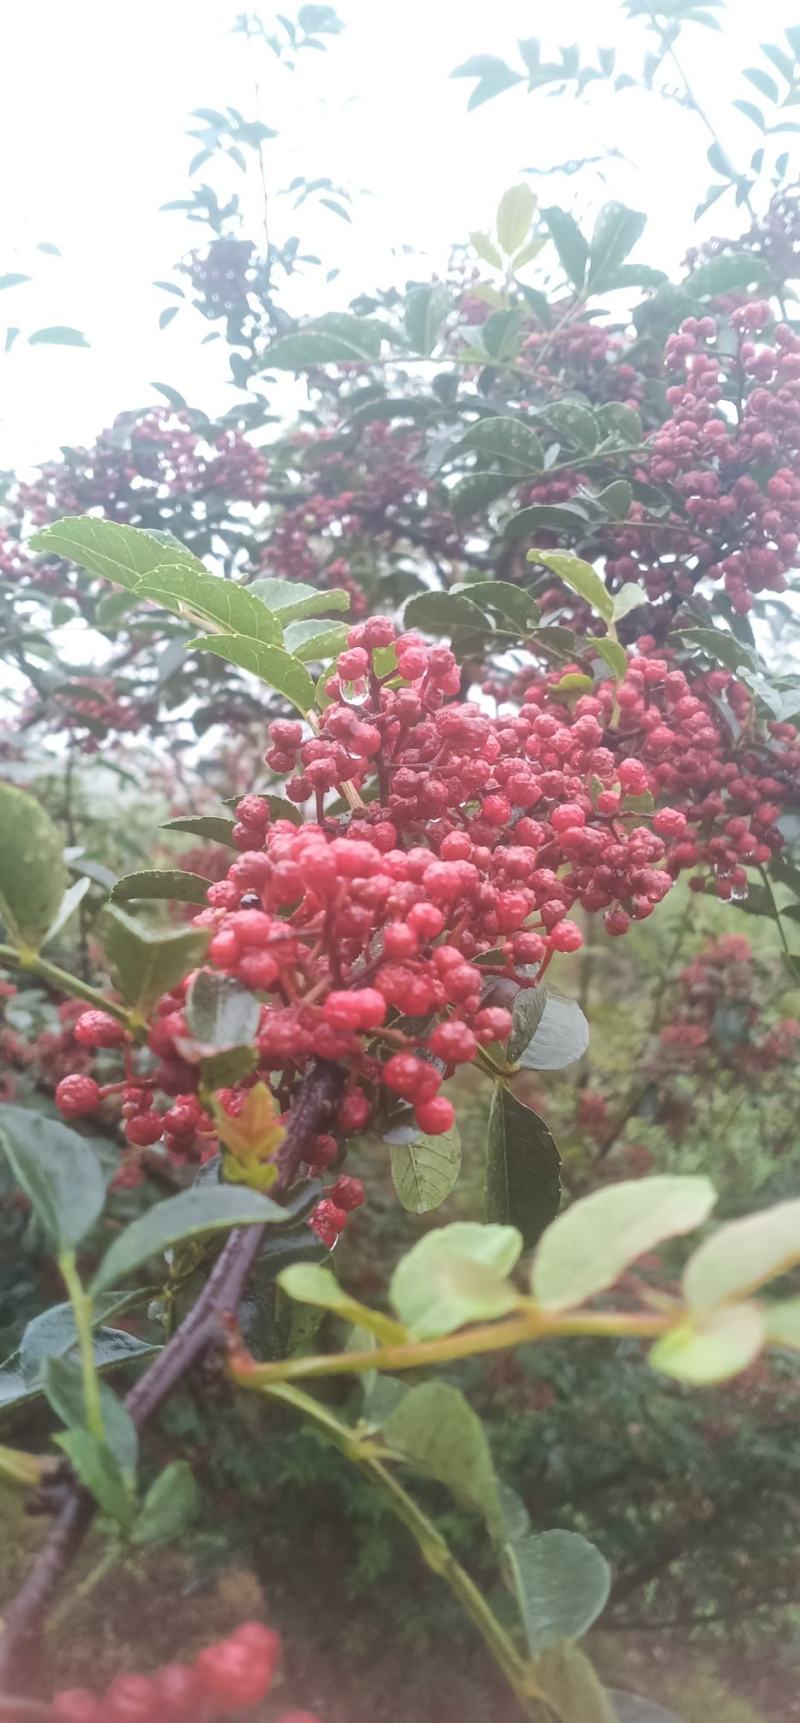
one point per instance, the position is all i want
(571, 713)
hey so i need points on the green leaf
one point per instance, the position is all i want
(529, 252)
(57, 335)
(743, 1255)
(612, 653)
(561, 1035)
(123, 554)
(196, 1212)
(167, 883)
(331, 340)
(554, 517)
(291, 599)
(722, 648)
(481, 243)
(190, 590)
(571, 1686)
(513, 603)
(782, 1322)
(169, 1506)
(562, 1584)
(211, 826)
(148, 964)
(99, 1472)
(112, 607)
(454, 1275)
(57, 1170)
(709, 1350)
(33, 876)
(313, 642)
(574, 422)
(220, 1013)
(615, 234)
(309, 1283)
(442, 612)
(616, 499)
(620, 422)
(426, 311)
(14, 279)
(629, 597)
(726, 273)
(527, 1012)
(572, 248)
(515, 212)
(63, 1386)
(435, 1429)
(73, 896)
(589, 1247)
(580, 577)
(475, 492)
(269, 663)
(425, 1170)
(54, 1335)
(508, 440)
(523, 1164)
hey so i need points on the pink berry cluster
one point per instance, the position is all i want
(227, 1679)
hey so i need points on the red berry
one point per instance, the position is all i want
(434, 1116)
(257, 969)
(235, 1673)
(145, 1129)
(566, 936)
(98, 1029)
(132, 1699)
(77, 1095)
(361, 1008)
(354, 1111)
(327, 1222)
(454, 1042)
(77, 1705)
(180, 1693)
(347, 1193)
(670, 823)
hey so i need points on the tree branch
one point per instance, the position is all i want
(200, 1330)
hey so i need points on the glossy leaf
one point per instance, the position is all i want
(572, 248)
(515, 213)
(589, 1247)
(193, 1214)
(717, 1346)
(435, 1429)
(455, 1275)
(523, 1187)
(57, 1170)
(315, 642)
(33, 875)
(124, 554)
(169, 884)
(148, 964)
(562, 1584)
(580, 577)
(237, 608)
(561, 1036)
(743, 1255)
(269, 663)
(425, 1170)
(291, 599)
(209, 826)
(219, 1012)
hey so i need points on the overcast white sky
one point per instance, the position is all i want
(95, 99)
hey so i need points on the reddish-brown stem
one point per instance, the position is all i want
(202, 1329)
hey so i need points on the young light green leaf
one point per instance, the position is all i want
(57, 1170)
(192, 590)
(455, 1275)
(33, 875)
(782, 1322)
(716, 1346)
(590, 1246)
(204, 1209)
(73, 896)
(571, 1687)
(146, 963)
(515, 212)
(523, 1186)
(291, 599)
(743, 1255)
(100, 1473)
(309, 1283)
(572, 248)
(169, 884)
(169, 1506)
(611, 652)
(211, 826)
(124, 554)
(629, 597)
(269, 663)
(481, 243)
(562, 1584)
(580, 577)
(425, 1170)
(435, 1429)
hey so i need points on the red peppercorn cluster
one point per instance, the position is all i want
(227, 1679)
